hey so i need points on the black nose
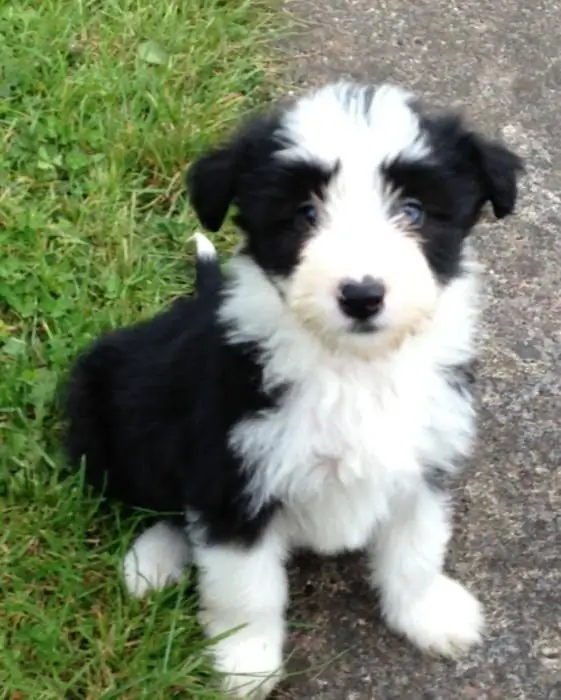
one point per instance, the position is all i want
(361, 300)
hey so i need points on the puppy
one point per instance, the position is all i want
(307, 398)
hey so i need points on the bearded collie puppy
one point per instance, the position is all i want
(307, 395)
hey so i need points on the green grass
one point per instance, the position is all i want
(102, 105)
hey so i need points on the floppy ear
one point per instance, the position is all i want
(211, 183)
(498, 172)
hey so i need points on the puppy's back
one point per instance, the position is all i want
(131, 404)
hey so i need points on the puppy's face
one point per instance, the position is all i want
(356, 207)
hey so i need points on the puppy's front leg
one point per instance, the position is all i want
(434, 611)
(243, 592)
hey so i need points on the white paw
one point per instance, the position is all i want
(156, 559)
(447, 620)
(249, 661)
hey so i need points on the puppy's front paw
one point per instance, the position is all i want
(250, 662)
(446, 620)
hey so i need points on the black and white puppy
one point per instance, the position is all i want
(306, 398)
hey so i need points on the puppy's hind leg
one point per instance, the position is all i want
(156, 559)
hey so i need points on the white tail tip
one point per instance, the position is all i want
(205, 249)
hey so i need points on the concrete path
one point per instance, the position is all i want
(500, 60)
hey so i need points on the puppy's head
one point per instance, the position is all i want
(356, 206)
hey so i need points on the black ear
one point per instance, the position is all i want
(498, 172)
(211, 183)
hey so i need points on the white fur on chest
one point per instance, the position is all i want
(342, 446)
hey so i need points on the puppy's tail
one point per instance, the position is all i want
(208, 280)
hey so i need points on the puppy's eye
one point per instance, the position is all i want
(411, 212)
(308, 213)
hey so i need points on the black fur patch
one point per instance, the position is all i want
(150, 409)
(453, 184)
(268, 211)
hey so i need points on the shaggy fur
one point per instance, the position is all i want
(307, 398)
